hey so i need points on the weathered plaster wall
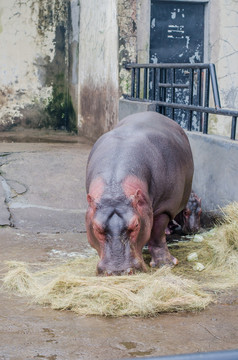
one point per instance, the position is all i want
(223, 51)
(34, 47)
(134, 37)
(127, 27)
(143, 31)
(98, 67)
(73, 58)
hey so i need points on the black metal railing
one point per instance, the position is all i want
(180, 91)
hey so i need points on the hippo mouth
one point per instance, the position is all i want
(129, 271)
(108, 268)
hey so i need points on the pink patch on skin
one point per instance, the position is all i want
(131, 184)
(96, 189)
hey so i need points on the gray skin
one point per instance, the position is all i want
(188, 220)
(138, 179)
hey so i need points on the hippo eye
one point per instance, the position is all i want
(131, 229)
(199, 211)
(187, 213)
(100, 230)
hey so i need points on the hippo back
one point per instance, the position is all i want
(153, 148)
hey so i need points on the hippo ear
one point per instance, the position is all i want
(138, 199)
(91, 201)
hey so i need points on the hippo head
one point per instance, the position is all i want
(118, 227)
(191, 215)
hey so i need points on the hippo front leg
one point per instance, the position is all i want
(158, 248)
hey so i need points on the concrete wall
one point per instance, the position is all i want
(98, 67)
(127, 108)
(35, 44)
(216, 171)
(223, 51)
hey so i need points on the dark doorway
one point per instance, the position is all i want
(177, 32)
(177, 36)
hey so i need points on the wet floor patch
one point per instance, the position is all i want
(51, 357)
(134, 349)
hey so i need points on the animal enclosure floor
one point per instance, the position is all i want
(47, 206)
(32, 332)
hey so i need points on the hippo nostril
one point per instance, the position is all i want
(108, 273)
(101, 268)
(129, 271)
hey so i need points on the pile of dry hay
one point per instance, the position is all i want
(75, 287)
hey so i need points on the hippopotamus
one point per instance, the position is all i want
(188, 220)
(138, 179)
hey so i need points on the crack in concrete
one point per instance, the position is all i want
(6, 217)
(6, 195)
(7, 190)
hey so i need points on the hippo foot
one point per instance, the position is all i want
(161, 257)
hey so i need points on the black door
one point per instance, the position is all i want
(177, 32)
(177, 36)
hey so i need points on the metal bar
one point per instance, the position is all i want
(194, 1)
(191, 80)
(145, 83)
(206, 100)
(163, 90)
(157, 94)
(153, 72)
(172, 89)
(133, 83)
(225, 112)
(159, 87)
(233, 128)
(169, 65)
(215, 86)
(214, 355)
(169, 85)
(199, 87)
(138, 82)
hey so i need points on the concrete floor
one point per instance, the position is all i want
(42, 209)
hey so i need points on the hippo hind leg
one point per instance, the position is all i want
(158, 248)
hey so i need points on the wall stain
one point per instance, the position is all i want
(98, 109)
